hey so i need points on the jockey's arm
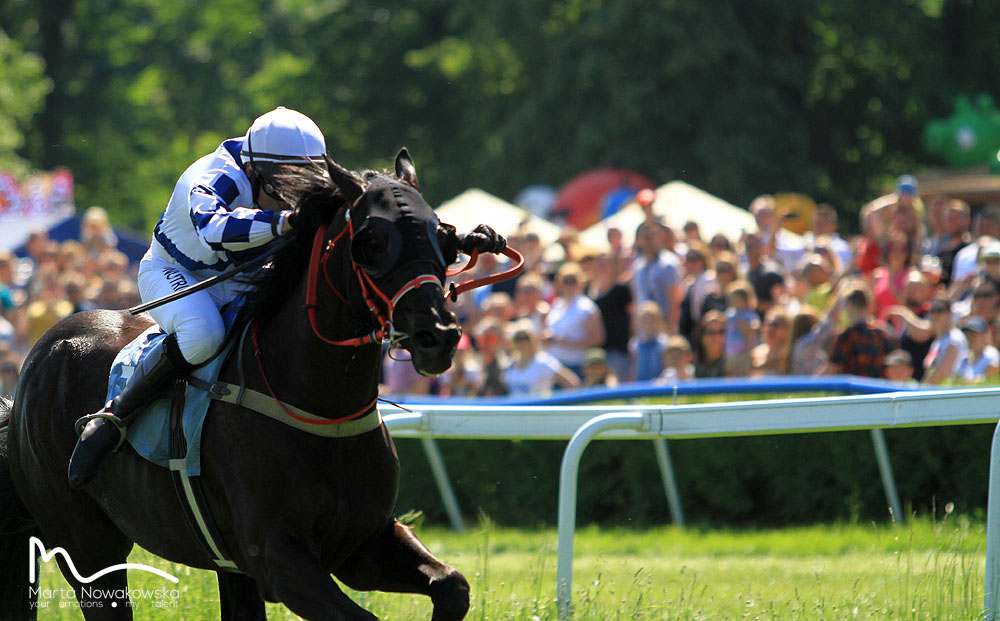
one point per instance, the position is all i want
(221, 226)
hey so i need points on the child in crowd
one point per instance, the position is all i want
(650, 341)
(465, 373)
(534, 371)
(899, 367)
(493, 358)
(742, 324)
(678, 360)
(597, 371)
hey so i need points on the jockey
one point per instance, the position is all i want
(225, 209)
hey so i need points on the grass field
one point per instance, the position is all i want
(923, 570)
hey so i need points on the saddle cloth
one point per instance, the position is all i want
(149, 433)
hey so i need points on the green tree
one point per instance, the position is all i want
(23, 86)
(826, 97)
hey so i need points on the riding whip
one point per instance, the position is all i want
(205, 284)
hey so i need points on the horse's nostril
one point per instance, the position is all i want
(425, 339)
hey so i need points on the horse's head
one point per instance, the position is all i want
(399, 252)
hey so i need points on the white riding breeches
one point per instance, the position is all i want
(196, 319)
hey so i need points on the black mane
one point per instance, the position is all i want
(316, 202)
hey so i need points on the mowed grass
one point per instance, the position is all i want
(922, 570)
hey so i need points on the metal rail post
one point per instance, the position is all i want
(888, 480)
(669, 481)
(444, 483)
(416, 420)
(568, 473)
(991, 603)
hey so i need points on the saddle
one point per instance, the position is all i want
(149, 433)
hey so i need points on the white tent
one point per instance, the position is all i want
(15, 231)
(475, 206)
(676, 203)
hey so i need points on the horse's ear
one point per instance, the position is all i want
(347, 183)
(405, 169)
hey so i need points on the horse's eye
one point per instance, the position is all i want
(374, 246)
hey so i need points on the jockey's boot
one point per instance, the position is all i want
(104, 431)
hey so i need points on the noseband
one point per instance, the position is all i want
(320, 255)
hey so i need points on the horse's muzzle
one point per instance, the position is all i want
(431, 330)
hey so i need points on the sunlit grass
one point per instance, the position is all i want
(922, 570)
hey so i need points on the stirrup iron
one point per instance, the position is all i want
(114, 420)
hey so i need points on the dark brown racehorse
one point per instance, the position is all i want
(292, 507)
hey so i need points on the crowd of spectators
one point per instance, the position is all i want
(912, 298)
(56, 279)
(915, 297)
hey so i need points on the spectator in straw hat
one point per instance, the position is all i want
(597, 371)
(573, 324)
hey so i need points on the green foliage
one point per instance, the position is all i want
(772, 480)
(825, 97)
(23, 86)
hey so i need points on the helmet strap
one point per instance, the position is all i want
(259, 181)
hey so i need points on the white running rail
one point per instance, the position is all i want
(644, 422)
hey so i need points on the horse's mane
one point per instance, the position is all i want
(317, 200)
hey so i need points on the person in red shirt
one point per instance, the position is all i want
(889, 279)
(861, 348)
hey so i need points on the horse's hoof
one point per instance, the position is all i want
(451, 597)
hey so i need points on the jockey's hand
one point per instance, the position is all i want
(287, 222)
(484, 239)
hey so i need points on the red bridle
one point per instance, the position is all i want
(321, 253)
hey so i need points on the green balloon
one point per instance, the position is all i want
(970, 136)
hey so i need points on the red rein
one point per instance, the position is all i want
(320, 253)
(454, 290)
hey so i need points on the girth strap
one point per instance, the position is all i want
(189, 490)
(266, 405)
(239, 394)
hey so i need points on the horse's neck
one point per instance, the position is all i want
(323, 379)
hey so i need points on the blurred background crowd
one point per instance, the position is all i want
(55, 279)
(914, 297)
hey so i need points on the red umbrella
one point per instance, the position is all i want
(581, 198)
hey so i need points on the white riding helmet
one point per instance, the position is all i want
(284, 136)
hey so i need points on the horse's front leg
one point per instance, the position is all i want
(397, 561)
(293, 575)
(240, 598)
